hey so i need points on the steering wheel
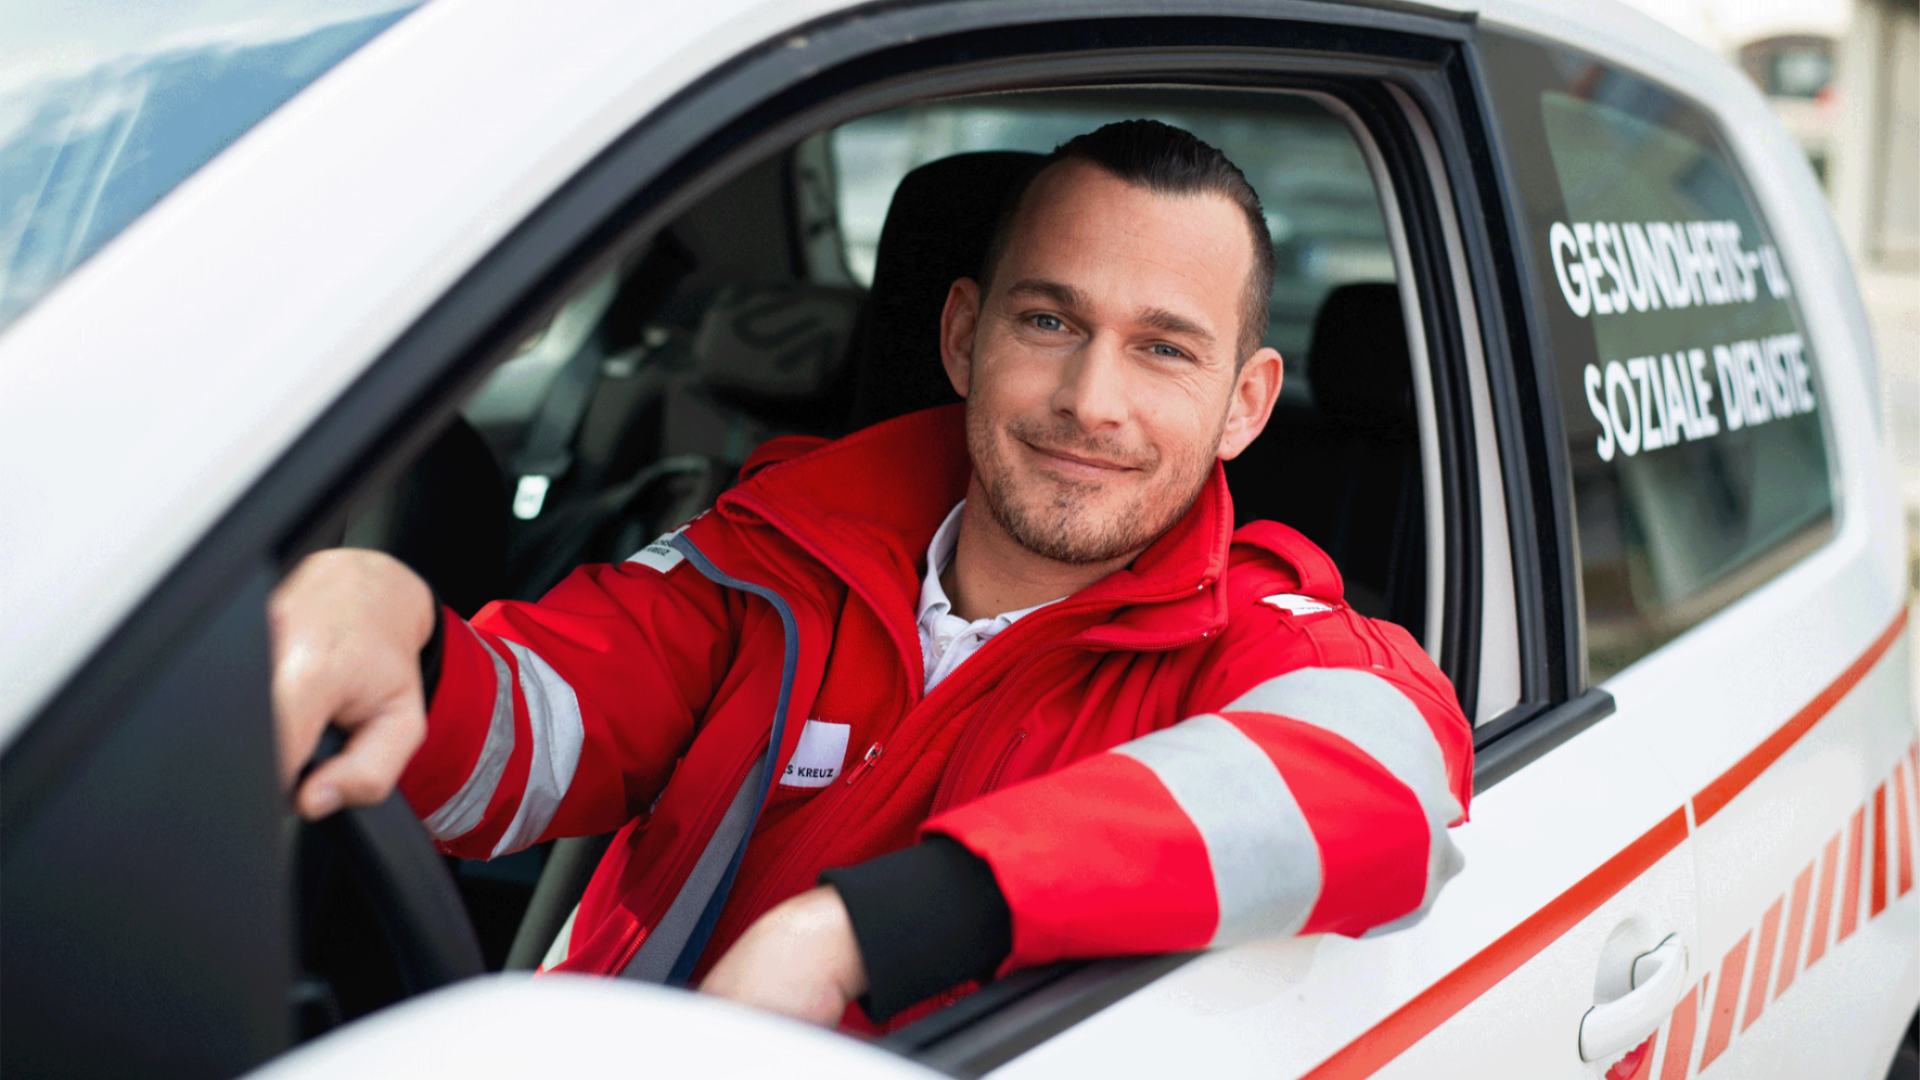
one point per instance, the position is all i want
(385, 850)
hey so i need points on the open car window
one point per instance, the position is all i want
(632, 406)
(1323, 213)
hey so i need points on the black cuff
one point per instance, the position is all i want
(433, 653)
(927, 918)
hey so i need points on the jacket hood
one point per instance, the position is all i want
(867, 506)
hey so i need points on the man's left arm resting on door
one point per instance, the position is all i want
(1310, 791)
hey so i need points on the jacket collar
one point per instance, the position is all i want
(867, 506)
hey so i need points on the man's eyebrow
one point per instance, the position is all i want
(1058, 292)
(1154, 318)
(1162, 319)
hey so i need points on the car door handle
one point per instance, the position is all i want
(1659, 981)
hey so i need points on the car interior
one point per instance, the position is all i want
(804, 297)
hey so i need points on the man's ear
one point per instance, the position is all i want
(1255, 390)
(958, 321)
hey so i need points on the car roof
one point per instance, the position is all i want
(143, 396)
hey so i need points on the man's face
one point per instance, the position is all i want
(1100, 369)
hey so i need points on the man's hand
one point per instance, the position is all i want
(347, 628)
(800, 959)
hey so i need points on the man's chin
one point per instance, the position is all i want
(1076, 533)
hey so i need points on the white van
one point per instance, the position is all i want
(1581, 392)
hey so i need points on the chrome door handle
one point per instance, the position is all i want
(1659, 981)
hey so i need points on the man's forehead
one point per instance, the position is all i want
(1077, 219)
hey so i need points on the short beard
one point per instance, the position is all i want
(1061, 529)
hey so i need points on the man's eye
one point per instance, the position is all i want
(1167, 350)
(1048, 322)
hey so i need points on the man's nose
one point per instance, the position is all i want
(1092, 386)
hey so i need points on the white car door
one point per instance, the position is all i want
(1743, 594)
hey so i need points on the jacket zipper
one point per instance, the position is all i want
(943, 795)
(1000, 763)
(826, 803)
(873, 755)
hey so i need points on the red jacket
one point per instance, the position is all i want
(1204, 748)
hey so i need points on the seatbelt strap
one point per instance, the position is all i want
(548, 452)
(673, 947)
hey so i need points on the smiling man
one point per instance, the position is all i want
(971, 690)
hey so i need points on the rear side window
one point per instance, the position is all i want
(1690, 393)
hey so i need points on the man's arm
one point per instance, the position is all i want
(534, 729)
(1311, 793)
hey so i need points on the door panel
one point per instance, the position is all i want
(147, 926)
(1580, 846)
(1729, 607)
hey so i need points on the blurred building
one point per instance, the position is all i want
(1874, 176)
(1795, 70)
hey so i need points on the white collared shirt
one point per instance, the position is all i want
(946, 640)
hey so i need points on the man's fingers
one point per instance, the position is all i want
(346, 628)
(304, 699)
(365, 771)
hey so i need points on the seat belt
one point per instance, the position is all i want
(673, 947)
(548, 452)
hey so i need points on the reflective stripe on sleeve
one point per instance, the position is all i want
(553, 721)
(460, 814)
(1374, 715)
(1266, 864)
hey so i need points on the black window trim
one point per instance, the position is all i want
(1556, 701)
(761, 101)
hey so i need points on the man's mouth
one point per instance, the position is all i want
(1074, 464)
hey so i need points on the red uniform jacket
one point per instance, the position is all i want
(1204, 748)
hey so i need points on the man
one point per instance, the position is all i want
(967, 691)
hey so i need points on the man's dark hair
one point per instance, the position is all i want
(1167, 161)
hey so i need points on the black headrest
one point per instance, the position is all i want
(1358, 364)
(937, 231)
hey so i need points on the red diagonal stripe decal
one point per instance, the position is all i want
(1720, 1025)
(1877, 901)
(1850, 898)
(1796, 924)
(1762, 964)
(1906, 830)
(1680, 1035)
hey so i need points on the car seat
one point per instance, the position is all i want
(937, 230)
(445, 516)
(1346, 473)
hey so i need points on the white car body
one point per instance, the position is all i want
(158, 384)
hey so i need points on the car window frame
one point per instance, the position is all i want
(767, 99)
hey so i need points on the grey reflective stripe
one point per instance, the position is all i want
(459, 814)
(657, 955)
(557, 733)
(701, 894)
(1266, 863)
(1374, 715)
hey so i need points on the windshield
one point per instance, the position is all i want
(106, 105)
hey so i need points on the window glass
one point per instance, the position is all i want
(106, 107)
(1322, 211)
(1690, 392)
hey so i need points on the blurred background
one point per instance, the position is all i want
(1844, 77)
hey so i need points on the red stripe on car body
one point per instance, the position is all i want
(1715, 796)
(1459, 988)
